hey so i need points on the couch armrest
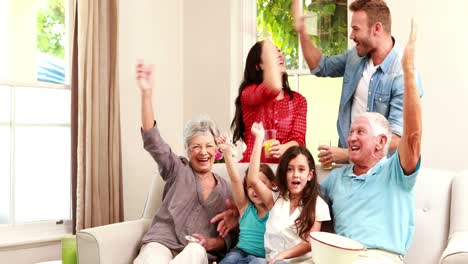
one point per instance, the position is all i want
(115, 243)
(457, 247)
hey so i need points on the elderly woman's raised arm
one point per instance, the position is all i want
(167, 161)
(145, 83)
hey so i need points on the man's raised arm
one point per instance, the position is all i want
(311, 53)
(409, 148)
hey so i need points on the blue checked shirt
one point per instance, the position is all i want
(386, 87)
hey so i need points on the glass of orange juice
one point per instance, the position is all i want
(270, 137)
(326, 142)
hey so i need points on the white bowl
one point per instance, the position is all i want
(328, 248)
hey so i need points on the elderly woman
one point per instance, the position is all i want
(192, 194)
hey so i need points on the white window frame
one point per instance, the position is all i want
(16, 235)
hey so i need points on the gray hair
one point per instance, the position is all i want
(199, 125)
(379, 125)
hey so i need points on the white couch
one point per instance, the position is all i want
(441, 234)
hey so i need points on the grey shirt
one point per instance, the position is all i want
(183, 210)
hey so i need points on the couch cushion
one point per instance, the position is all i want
(432, 202)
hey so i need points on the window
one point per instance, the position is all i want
(326, 21)
(34, 113)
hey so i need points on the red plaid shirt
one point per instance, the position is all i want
(288, 117)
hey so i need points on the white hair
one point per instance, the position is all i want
(199, 125)
(379, 125)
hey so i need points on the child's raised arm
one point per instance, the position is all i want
(240, 199)
(254, 168)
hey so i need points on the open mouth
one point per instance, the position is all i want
(296, 183)
(357, 43)
(355, 148)
(203, 160)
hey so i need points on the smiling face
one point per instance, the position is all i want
(298, 174)
(363, 147)
(281, 62)
(201, 152)
(361, 34)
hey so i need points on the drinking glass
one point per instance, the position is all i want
(270, 137)
(326, 142)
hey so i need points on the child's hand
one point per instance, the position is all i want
(257, 130)
(276, 258)
(224, 144)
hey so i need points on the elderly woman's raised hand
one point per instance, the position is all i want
(144, 75)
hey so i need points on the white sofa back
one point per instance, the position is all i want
(433, 200)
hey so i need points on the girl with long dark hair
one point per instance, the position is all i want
(296, 209)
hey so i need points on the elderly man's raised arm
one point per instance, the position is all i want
(410, 144)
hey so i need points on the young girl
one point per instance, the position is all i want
(253, 212)
(296, 210)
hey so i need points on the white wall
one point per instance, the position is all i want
(207, 59)
(149, 30)
(441, 56)
(197, 53)
(197, 49)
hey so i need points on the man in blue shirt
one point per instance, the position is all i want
(372, 200)
(371, 71)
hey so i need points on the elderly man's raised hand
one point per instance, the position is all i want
(409, 146)
(144, 74)
(408, 55)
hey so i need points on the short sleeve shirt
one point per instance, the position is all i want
(377, 208)
(281, 233)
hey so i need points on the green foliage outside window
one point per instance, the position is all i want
(51, 27)
(274, 17)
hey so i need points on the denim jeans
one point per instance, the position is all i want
(237, 255)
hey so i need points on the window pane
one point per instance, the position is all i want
(36, 40)
(5, 103)
(4, 42)
(41, 105)
(323, 99)
(274, 18)
(42, 168)
(51, 41)
(4, 174)
(326, 22)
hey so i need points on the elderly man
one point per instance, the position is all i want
(371, 71)
(372, 200)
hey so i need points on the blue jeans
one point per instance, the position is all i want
(237, 255)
